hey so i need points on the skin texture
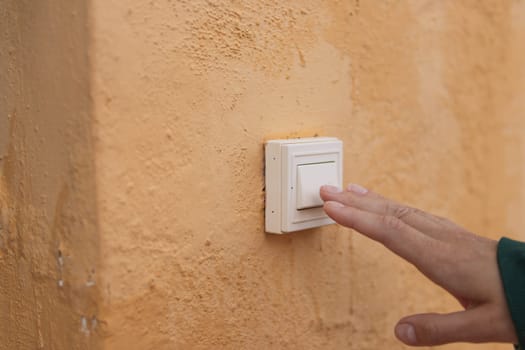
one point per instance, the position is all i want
(462, 263)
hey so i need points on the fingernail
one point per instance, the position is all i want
(331, 189)
(406, 333)
(334, 205)
(357, 189)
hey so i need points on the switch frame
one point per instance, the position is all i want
(282, 159)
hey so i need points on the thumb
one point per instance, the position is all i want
(436, 329)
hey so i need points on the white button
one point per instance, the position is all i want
(310, 177)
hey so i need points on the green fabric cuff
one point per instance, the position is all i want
(511, 263)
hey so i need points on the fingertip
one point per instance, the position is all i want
(333, 209)
(332, 205)
(357, 189)
(406, 333)
(329, 189)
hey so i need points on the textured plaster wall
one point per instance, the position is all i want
(131, 139)
(428, 97)
(48, 227)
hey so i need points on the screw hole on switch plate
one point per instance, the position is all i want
(291, 188)
(273, 211)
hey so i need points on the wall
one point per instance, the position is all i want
(156, 202)
(427, 97)
(48, 226)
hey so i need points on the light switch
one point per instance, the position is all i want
(310, 177)
(295, 169)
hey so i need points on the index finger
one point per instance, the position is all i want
(372, 202)
(423, 251)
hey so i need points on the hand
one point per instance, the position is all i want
(462, 263)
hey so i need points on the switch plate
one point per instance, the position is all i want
(303, 165)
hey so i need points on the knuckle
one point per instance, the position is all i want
(398, 211)
(391, 222)
(401, 211)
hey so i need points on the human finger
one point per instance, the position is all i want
(419, 249)
(473, 326)
(358, 197)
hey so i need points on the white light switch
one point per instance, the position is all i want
(295, 171)
(310, 178)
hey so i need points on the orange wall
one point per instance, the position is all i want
(428, 98)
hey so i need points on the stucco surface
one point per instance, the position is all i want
(48, 234)
(131, 164)
(427, 97)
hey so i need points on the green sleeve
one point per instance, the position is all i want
(511, 263)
